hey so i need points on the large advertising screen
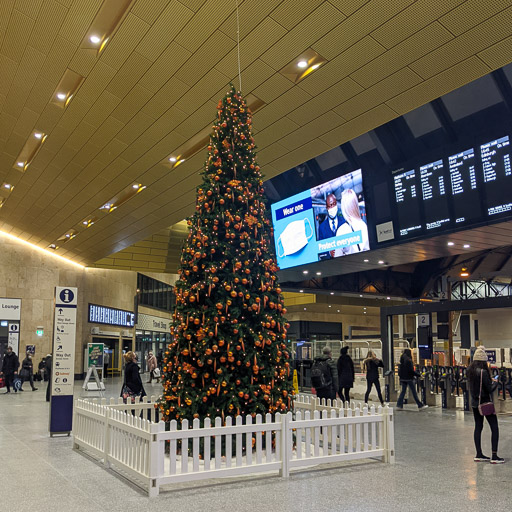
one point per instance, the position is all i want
(327, 221)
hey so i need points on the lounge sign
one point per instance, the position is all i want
(110, 316)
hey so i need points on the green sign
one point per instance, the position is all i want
(39, 332)
(95, 354)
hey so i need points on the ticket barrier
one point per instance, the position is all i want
(390, 393)
(457, 376)
(445, 383)
(427, 386)
(508, 385)
(465, 388)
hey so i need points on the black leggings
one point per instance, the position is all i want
(344, 394)
(369, 385)
(479, 425)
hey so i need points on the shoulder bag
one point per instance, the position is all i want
(486, 409)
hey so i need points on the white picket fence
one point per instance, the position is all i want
(153, 454)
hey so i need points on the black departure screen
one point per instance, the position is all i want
(497, 171)
(434, 195)
(465, 187)
(407, 202)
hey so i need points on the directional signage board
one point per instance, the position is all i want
(13, 339)
(63, 360)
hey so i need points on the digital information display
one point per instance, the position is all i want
(325, 222)
(406, 199)
(464, 186)
(433, 193)
(497, 175)
(110, 316)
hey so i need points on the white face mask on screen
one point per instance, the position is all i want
(294, 237)
(333, 212)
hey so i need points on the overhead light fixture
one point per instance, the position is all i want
(29, 150)
(8, 186)
(360, 295)
(466, 246)
(20, 164)
(305, 271)
(464, 272)
(366, 261)
(61, 96)
(94, 39)
(304, 309)
(338, 310)
(38, 135)
(364, 312)
(450, 243)
(330, 306)
(301, 291)
(173, 159)
(52, 246)
(319, 273)
(388, 298)
(300, 67)
(67, 88)
(332, 293)
(381, 262)
(136, 186)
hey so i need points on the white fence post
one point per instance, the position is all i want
(156, 458)
(285, 446)
(390, 434)
(106, 438)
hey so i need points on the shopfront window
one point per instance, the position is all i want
(154, 294)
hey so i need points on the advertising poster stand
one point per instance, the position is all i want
(63, 361)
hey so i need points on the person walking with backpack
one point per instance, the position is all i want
(407, 375)
(481, 387)
(371, 366)
(346, 375)
(324, 375)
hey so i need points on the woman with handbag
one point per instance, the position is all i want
(132, 386)
(481, 388)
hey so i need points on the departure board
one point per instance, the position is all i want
(465, 184)
(406, 199)
(497, 176)
(434, 195)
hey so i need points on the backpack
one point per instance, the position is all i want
(321, 377)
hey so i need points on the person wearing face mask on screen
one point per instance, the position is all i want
(330, 224)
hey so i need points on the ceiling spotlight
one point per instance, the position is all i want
(38, 135)
(364, 312)
(302, 64)
(388, 298)
(301, 291)
(7, 186)
(338, 310)
(52, 246)
(94, 39)
(173, 159)
(450, 243)
(21, 164)
(330, 306)
(466, 246)
(305, 309)
(464, 272)
(366, 261)
(315, 66)
(136, 186)
(332, 293)
(360, 295)
(67, 235)
(85, 223)
(319, 273)
(61, 96)
(305, 271)
(381, 262)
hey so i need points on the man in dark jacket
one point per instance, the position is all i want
(346, 374)
(330, 391)
(10, 368)
(48, 370)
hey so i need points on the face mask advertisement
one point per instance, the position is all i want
(327, 221)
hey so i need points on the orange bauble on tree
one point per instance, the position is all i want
(228, 353)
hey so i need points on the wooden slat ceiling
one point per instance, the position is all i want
(158, 80)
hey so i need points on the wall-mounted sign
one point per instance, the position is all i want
(10, 309)
(110, 316)
(13, 339)
(40, 331)
(153, 323)
(63, 360)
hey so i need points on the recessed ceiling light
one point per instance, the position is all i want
(319, 273)
(301, 291)
(315, 66)
(85, 223)
(330, 306)
(21, 164)
(305, 271)
(467, 246)
(305, 309)
(136, 185)
(67, 235)
(364, 307)
(381, 262)
(302, 64)
(172, 159)
(388, 298)
(332, 293)
(364, 312)
(52, 246)
(338, 310)
(7, 186)
(38, 135)
(94, 39)
(61, 96)
(450, 243)
(366, 261)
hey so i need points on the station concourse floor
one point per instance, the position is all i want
(434, 470)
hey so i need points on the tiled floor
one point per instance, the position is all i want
(434, 470)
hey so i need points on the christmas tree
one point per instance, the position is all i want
(228, 354)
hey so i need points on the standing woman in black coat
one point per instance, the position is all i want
(371, 366)
(407, 375)
(478, 374)
(346, 375)
(132, 379)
